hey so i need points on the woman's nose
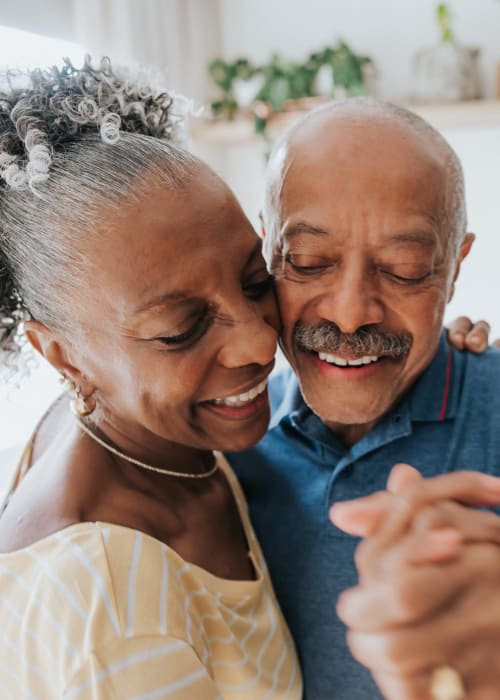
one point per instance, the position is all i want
(250, 340)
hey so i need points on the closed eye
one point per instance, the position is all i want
(399, 279)
(189, 337)
(304, 269)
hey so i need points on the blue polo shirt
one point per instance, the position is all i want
(449, 420)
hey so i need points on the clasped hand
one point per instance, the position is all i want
(429, 582)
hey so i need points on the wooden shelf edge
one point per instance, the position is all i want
(459, 115)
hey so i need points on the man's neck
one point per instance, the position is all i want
(350, 434)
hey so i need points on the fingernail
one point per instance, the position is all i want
(338, 510)
(446, 535)
(491, 482)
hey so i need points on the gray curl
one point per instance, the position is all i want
(73, 141)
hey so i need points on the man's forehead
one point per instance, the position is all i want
(345, 144)
(365, 170)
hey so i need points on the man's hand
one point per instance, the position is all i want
(465, 335)
(409, 614)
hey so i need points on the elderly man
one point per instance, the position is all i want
(365, 231)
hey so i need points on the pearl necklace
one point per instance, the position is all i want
(149, 467)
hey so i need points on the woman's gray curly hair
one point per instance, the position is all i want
(71, 140)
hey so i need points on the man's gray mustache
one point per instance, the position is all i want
(327, 337)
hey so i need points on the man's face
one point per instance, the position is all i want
(365, 271)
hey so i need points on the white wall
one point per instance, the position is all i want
(49, 17)
(478, 288)
(388, 30)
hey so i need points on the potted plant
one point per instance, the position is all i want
(282, 85)
(448, 71)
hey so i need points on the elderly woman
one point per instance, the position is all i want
(128, 565)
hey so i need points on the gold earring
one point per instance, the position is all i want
(81, 405)
(68, 384)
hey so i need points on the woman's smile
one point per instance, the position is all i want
(240, 405)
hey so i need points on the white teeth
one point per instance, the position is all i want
(242, 399)
(332, 359)
(342, 362)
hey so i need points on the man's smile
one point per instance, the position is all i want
(340, 361)
(340, 367)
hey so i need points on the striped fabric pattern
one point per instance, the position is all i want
(103, 612)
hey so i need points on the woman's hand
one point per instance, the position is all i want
(465, 335)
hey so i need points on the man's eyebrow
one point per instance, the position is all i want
(426, 238)
(159, 300)
(302, 227)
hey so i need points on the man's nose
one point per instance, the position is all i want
(250, 340)
(353, 299)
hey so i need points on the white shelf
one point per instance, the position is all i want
(459, 115)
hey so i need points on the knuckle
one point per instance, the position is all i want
(363, 556)
(461, 322)
(482, 326)
(492, 524)
(363, 646)
(409, 500)
(406, 601)
(487, 561)
(392, 655)
(431, 517)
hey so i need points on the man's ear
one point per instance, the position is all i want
(53, 348)
(263, 233)
(463, 252)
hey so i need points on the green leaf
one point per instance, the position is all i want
(444, 18)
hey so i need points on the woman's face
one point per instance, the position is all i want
(179, 321)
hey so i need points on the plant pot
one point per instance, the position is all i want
(447, 73)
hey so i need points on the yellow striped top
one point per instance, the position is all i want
(103, 612)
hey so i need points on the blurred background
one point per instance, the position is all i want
(256, 65)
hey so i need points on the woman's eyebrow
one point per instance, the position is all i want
(160, 300)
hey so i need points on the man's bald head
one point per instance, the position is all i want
(375, 125)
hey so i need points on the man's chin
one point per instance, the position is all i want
(345, 412)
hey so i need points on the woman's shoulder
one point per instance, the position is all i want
(98, 552)
(107, 580)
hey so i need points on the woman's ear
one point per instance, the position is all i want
(53, 348)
